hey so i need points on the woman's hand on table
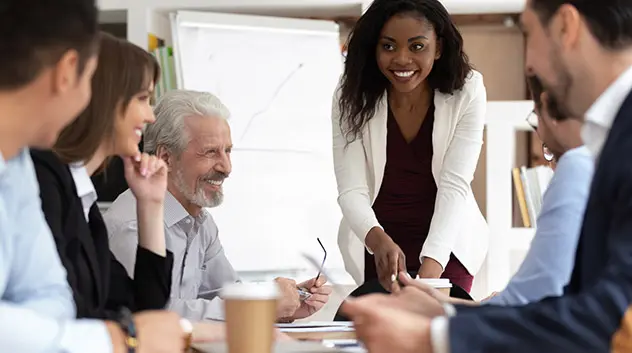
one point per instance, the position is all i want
(389, 258)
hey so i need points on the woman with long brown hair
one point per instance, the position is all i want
(111, 125)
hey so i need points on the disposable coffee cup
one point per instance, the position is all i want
(442, 284)
(250, 312)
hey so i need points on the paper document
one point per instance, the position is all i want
(317, 329)
(346, 345)
(284, 347)
(316, 324)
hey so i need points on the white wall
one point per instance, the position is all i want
(140, 12)
(160, 25)
(454, 6)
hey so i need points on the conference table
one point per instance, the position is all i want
(316, 337)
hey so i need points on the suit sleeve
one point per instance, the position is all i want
(580, 322)
(52, 205)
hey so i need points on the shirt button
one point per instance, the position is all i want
(187, 221)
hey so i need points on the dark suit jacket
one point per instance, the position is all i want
(585, 318)
(99, 282)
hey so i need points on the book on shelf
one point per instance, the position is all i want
(167, 81)
(530, 185)
(154, 42)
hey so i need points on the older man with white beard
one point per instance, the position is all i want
(191, 134)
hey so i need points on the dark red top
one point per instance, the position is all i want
(405, 203)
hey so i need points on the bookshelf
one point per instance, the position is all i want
(504, 118)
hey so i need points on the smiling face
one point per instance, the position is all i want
(406, 51)
(128, 127)
(553, 53)
(199, 172)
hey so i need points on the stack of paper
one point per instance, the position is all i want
(284, 347)
(317, 326)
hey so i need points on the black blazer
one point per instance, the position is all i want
(585, 318)
(99, 282)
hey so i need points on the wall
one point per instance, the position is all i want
(497, 51)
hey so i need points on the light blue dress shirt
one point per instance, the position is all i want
(547, 266)
(37, 312)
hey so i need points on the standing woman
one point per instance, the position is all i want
(408, 120)
(111, 125)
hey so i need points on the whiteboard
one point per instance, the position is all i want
(277, 77)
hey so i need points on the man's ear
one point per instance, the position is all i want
(162, 153)
(567, 26)
(65, 73)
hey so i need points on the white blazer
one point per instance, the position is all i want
(457, 223)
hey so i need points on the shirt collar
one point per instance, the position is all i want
(581, 150)
(82, 180)
(603, 111)
(85, 189)
(174, 212)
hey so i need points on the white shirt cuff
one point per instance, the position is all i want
(85, 336)
(449, 309)
(439, 335)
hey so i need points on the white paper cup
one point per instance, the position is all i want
(442, 284)
(250, 310)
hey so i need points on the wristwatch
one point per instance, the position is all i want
(126, 321)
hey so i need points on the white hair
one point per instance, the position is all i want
(168, 129)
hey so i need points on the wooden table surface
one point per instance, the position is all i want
(314, 336)
(319, 336)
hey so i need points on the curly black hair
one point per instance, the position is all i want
(363, 84)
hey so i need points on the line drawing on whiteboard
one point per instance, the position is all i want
(269, 103)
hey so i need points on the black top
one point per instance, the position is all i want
(405, 204)
(110, 183)
(99, 282)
